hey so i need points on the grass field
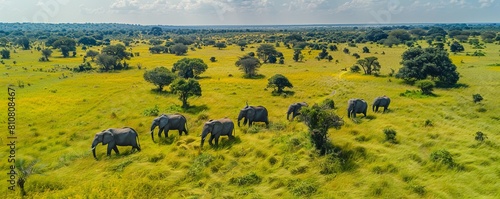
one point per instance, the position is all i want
(57, 118)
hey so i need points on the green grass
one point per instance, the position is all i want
(58, 117)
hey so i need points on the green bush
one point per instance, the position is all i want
(152, 111)
(444, 157)
(302, 188)
(427, 86)
(328, 104)
(390, 135)
(477, 98)
(355, 69)
(480, 136)
(249, 179)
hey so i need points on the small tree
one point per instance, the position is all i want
(220, 45)
(356, 55)
(107, 62)
(333, 48)
(346, 51)
(456, 47)
(426, 86)
(178, 49)
(477, 98)
(189, 67)
(212, 59)
(249, 65)
(92, 54)
(280, 82)
(319, 120)
(65, 44)
(370, 65)
(5, 54)
(296, 55)
(185, 89)
(480, 136)
(265, 50)
(366, 50)
(46, 53)
(323, 54)
(160, 77)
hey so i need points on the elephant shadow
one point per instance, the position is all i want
(167, 140)
(196, 109)
(226, 143)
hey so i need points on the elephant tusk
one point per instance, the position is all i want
(151, 132)
(92, 148)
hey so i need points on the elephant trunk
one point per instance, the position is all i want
(373, 107)
(94, 145)
(204, 134)
(153, 126)
(239, 118)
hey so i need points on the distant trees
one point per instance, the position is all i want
(370, 65)
(456, 47)
(160, 76)
(111, 57)
(5, 54)
(156, 31)
(488, 36)
(279, 82)
(220, 45)
(65, 44)
(185, 88)
(155, 42)
(346, 51)
(296, 55)
(107, 62)
(266, 50)
(419, 64)
(323, 54)
(46, 53)
(158, 49)
(333, 47)
(375, 35)
(178, 49)
(249, 65)
(92, 54)
(88, 41)
(366, 50)
(189, 67)
(24, 42)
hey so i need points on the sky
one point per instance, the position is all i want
(250, 12)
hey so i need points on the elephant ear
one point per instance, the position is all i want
(163, 121)
(107, 137)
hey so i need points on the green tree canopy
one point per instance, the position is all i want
(279, 82)
(89, 41)
(249, 65)
(5, 54)
(266, 50)
(189, 67)
(370, 65)
(107, 62)
(46, 53)
(185, 88)
(118, 51)
(178, 49)
(419, 64)
(456, 47)
(160, 76)
(65, 44)
(24, 42)
(220, 45)
(92, 54)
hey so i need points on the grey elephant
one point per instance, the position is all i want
(294, 109)
(383, 101)
(114, 137)
(356, 106)
(253, 114)
(217, 128)
(169, 122)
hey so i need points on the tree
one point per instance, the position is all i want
(266, 50)
(155, 42)
(249, 65)
(456, 47)
(346, 51)
(88, 41)
(376, 35)
(356, 55)
(118, 51)
(189, 67)
(185, 89)
(213, 59)
(436, 31)
(279, 82)
(220, 45)
(333, 47)
(156, 31)
(366, 50)
(401, 35)
(179, 49)
(370, 65)
(46, 53)
(296, 55)
(65, 44)
(426, 86)
(24, 42)
(319, 120)
(107, 62)
(158, 49)
(323, 54)
(419, 64)
(242, 43)
(160, 76)
(92, 54)
(5, 54)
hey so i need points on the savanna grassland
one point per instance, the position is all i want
(60, 111)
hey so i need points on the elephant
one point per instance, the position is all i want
(169, 122)
(114, 137)
(356, 106)
(295, 109)
(217, 128)
(383, 101)
(253, 114)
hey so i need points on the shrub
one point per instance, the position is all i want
(390, 135)
(302, 188)
(152, 111)
(480, 136)
(319, 121)
(426, 86)
(428, 123)
(355, 69)
(272, 160)
(328, 104)
(199, 163)
(250, 179)
(477, 98)
(212, 59)
(444, 157)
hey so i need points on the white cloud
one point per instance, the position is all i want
(310, 5)
(485, 3)
(355, 4)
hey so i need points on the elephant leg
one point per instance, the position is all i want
(108, 152)
(210, 140)
(250, 123)
(166, 133)
(116, 150)
(217, 140)
(180, 132)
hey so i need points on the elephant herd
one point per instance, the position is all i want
(127, 136)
